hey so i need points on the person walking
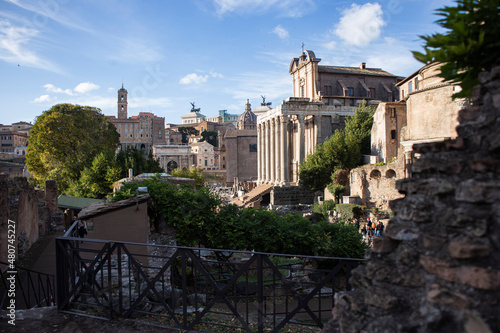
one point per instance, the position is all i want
(82, 228)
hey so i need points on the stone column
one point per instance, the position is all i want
(317, 129)
(267, 175)
(277, 149)
(273, 153)
(258, 154)
(301, 138)
(283, 150)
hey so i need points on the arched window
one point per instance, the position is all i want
(390, 174)
(375, 174)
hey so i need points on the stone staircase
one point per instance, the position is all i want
(253, 198)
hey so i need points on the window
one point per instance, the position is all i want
(393, 112)
(253, 148)
(326, 101)
(416, 83)
(350, 91)
(206, 162)
(372, 93)
(393, 134)
(410, 87)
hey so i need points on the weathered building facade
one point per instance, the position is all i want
(322, 97)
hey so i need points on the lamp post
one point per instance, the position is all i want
(142, 190)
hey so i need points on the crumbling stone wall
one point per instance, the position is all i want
(376, 184)
(437, 268)
(34, 212)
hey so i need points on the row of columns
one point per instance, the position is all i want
(273, 147)
(281, 149)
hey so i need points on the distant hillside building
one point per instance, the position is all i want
(142, 131)
(203, 155)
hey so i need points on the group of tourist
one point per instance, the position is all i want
(371, 229)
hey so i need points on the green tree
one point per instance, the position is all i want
(64, 140)
(136, 159)
(343, 150)
(210, 137)
(187, 132)
(193, 173)
(97, 180)
(470, 44)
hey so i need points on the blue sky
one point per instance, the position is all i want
(216, 53)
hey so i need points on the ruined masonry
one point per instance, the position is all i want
(437, 269)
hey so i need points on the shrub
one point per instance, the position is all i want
(350, 211)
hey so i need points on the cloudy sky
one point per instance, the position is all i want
(216, 53)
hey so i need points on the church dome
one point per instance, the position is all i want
(248, 119)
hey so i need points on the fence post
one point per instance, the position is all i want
(61, 278)
(260, 294)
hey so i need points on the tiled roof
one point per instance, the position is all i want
(354, 71)
(101, 207)
(65, 201)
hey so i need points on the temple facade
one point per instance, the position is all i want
(323, 96)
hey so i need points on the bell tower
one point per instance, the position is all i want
(122, 103)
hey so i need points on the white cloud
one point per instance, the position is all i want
(53, 89)
(359, 25)
(330, 45)
(216, 75)
(193, 78)
(288, 8)
(42, 99)
(85, 87)
(16, 45)
(281, 32)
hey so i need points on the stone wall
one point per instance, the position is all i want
(35, 213)
(376, 185)
(291, 195)
(437, 268)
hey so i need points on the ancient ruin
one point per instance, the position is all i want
(437, 266)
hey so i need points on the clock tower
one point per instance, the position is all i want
(122, 103)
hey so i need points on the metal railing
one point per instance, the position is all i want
(197, 289)
(31, 288)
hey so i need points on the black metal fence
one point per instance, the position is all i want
(197, 289)
(31, 289)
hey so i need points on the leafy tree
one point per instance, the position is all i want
(187, 132)
(192, 173)
(470, 45)
(97, 180)
(343, 150)
(210, 137)
(133, 158)
(64, 140)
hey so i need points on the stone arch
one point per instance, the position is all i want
(172, 165)
(375, 174)
(143, 147)
(390, 173)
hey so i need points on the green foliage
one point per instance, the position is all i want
(336, 189)
(200, 219)
(133, 158)
(343, 150)
(320, 210)
(350, 211)
(210, 137)
(192, 173)
(66, 139)
(187, 132)
(470, 45)
(97, 180)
